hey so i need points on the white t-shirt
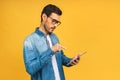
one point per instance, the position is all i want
(54, 62)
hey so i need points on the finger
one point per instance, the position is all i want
(59, 49)
(63, 47)
(73, 63)
(76, 60)
(76, 57)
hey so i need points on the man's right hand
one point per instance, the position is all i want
(57, 47)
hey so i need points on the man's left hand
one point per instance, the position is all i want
(75, 60)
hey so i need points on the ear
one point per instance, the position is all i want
(44, 17)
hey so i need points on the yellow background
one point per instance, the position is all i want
(87, 25)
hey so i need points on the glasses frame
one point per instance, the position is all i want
(55, 22)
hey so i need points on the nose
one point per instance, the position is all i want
(54, 26)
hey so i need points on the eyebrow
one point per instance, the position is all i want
(54, 19)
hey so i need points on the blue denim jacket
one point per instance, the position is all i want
(37, 57)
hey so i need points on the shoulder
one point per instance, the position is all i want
(31, 37)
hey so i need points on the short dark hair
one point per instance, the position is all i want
(50, 8)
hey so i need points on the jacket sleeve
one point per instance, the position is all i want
(34, 62)
(66, 60)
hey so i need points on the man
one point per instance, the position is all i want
(43, 55)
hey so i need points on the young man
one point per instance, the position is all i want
(43, 55)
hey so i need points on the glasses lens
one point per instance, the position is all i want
(55, 22)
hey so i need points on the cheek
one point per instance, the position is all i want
(47, 22)
(47, 25)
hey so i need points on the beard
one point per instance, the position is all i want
(46, 29)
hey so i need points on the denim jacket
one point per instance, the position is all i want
(37, 57)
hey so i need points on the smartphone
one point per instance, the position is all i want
(80, 55)
(83, 53)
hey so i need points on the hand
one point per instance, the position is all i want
(75, 60)
(57, 47)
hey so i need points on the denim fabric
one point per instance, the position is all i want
(37, 57)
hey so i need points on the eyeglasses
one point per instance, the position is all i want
(55, 22)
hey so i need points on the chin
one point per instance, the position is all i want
(50, 32)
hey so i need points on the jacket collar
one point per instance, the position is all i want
(52, 36)
(40, 33)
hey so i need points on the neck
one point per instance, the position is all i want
(42, 28)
